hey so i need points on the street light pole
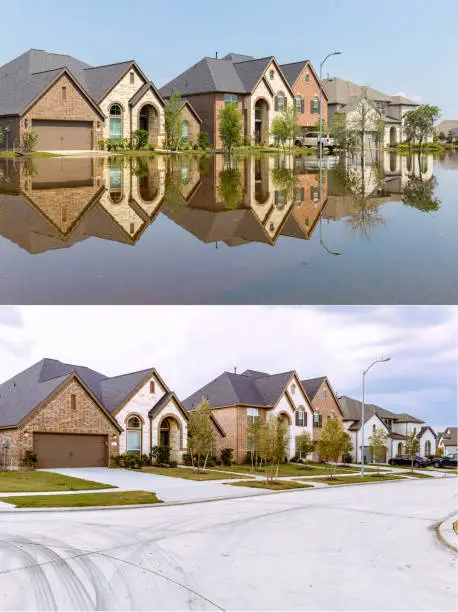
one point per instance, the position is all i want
(382, 360)
(321, 100)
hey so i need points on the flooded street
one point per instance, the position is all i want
(267, 230)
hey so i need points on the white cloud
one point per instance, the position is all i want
(190, 345)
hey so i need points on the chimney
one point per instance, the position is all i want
(216, 55)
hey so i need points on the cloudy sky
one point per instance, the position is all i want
(190, 345)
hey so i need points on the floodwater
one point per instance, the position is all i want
(264, 230)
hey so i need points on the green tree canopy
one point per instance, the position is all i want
(332, 443)
(230, 126)
(200, 433)
(284, 125)
(172, 121)
(419, 123)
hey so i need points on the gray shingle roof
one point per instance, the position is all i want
(293, 70)
(351, 409)
(229, 75)
(425, 428)
(346, 92)
(22, 393)
(311, 386)
(451, 438)
(238, 57)
(230, 389)
(25, 77)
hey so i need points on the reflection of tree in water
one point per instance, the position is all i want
(363, 188)
(230, 187)
(418, 192)
(285, 181)
(174, 199)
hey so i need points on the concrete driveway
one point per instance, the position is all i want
(351, 548)
(166, 487)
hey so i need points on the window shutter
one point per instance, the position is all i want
(276, 103)
(321, 420)
(302, 105)
(285, 101)
(311, 106)
(302, 194)
(305, 418)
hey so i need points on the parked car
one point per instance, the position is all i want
(310, 139)
(403, 460)
(447, 461)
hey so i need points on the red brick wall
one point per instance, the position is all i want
(325, 405)
(308, 91)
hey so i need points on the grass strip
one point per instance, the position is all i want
(188, 474)
(118, 498)
(275, 485)
(355, 479)
(31, 482)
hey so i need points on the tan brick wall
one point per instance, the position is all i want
(13, 455)
(57, 416)
(308, 91)
(194, 125)
(52, 106)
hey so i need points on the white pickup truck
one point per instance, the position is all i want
(310, 139)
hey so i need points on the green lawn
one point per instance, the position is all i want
(7, 154)
(275, 485)
(418, 475)
(24, 482)
(288, 469)
(355, 479)
(189, 474)
(120, 498)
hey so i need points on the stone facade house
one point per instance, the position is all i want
(306, 87)
(73, 416)
(238, 399)
(71, 105)
(397, 427)
(344, 97)
(257, 86)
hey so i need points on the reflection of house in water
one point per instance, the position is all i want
(379, 178)
(251, 202)
(55, 203)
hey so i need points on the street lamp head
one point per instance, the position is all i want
(385, 359)
(337, 52)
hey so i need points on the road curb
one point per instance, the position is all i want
(209, 499)
(445, 532)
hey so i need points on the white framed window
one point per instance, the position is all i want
(293, 388)
(271, 75)
(228, 98)
(280, 101)
(332, 414)
(307, 77)
(252, 415)
(134, 435)
(115, 121)
(301, 417)
(185, 130)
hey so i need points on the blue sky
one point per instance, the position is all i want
(191, 345)
(394, 46)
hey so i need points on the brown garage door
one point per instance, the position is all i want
(63, 135)
(70, 450)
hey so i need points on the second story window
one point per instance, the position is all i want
(315, 106)
(293, 389)
(299, 104)
(325, 393)
(271, 75)
(228, 98)
(280, 101)
(301, 417)
(317, 419)
(252, 415)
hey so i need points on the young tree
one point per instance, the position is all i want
(200, 433)
(273, 444)
(230, 187)
(420, 194)
(348, 448)
(230, 126)
(363, 119)
(332, 443)
(172, 121)
(284, 125)
(344, 139)
(253, 438)
(412, 447)
(377, 446)
(419, 123)
(304, 445)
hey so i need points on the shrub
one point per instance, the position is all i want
(30, 459)
(29, 141)
(161, 454)
(203, 140)
(140, 139)
(173, 463)
(150, 147)
(187, 459)
(101, 144)
(145, 459)
(226, 456)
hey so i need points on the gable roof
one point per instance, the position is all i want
(403, 100)
(248, 389)
(138, 95)
(192, 110)
(346, 92)
(311, 385)
(351, 409)
(25, 391)
(450, 436)
(231, 74)
(25, 78)
(446, 126)
(163, 401)
(424, 429)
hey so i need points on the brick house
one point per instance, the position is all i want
(306, 87)
(70, 105)
(72, 416)
(237, 399)
(258, 86)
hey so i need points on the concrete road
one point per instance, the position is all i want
(368, 547)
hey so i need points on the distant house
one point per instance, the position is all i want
(446, 126)
(258, 87)
(396, 426)
(343, 97)
(70, 105)
(448, 440)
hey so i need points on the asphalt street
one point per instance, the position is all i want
(370, 547)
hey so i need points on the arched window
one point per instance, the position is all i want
(134, 435)
(185, 130)
(399, 449)
(427, 447)
(115, 121)
(280, 101)
(301, 417)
